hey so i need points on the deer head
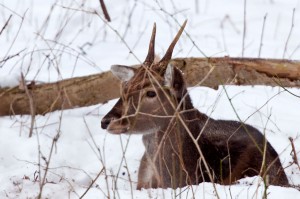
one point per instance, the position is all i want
(149, 94)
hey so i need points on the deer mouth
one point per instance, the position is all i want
(117, 130)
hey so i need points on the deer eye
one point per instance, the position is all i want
(151, 94)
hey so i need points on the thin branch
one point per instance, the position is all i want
(129, 19)
(11, 56)
(100, 157)
(244, 29)
(91, 184)
(4, 6)
(179, 24)
(288, 38)
(262, 36)
(31, 103)
(54, 141)
(5, 25)
(294, 152)
(278, 82)
(106, 15)
(15, 38)
(228, 20)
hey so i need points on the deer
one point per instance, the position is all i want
(182, 145)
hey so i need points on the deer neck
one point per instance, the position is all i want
(171, 149)
(176, 131)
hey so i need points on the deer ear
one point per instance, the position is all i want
(123, 73)
(169, 75)
(173, 79)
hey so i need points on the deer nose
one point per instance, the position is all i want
(105, 122)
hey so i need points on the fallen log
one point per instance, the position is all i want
(99, 88)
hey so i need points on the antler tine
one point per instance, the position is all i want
(169, 52)
(150, 57)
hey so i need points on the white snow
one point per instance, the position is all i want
(74, 42)
(10, 80)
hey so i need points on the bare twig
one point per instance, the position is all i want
(54, 141)
(91, 184)
(231, 23)
(31, 103)
(5, 25)
(228, 20)
(4, 6)
(179, 24)
(124, 149)
(294, 152)
(15, 38)
(262, 35)
(100, 157)
(45, 24)
(129, 19)
(278, 82)
(244, 29)
(106, 15)
(11, 56)
(109, 26)
(263, 169)
(288, 38)
(295, 50)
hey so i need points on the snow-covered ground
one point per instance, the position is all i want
(57, 39)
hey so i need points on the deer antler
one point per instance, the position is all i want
(169, 52)
(150, 57)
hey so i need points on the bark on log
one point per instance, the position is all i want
(94, 89)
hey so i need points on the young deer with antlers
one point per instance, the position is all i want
(184, 146)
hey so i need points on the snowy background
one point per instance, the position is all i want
(56, 39)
